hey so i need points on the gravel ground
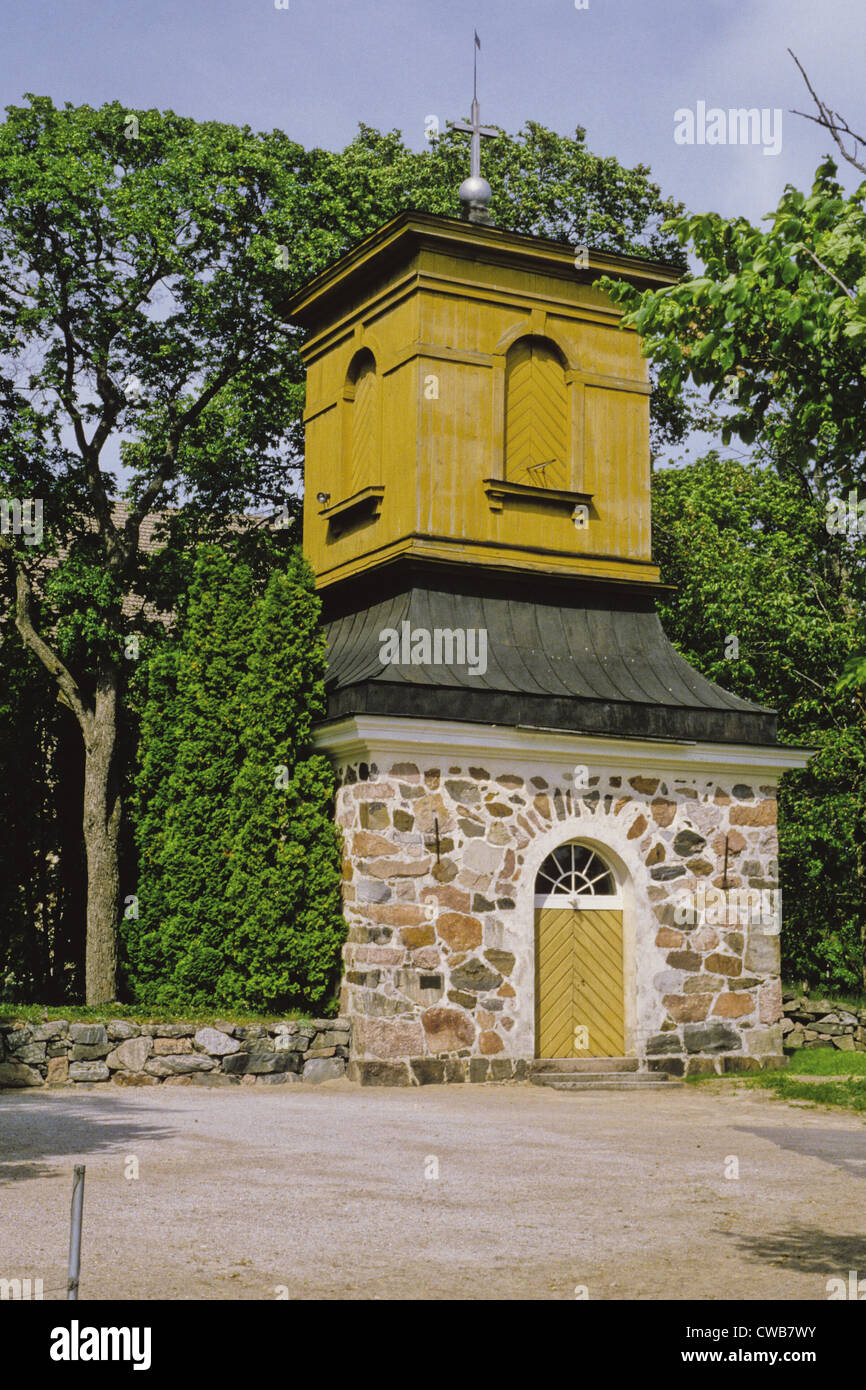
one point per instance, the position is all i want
(324, 1193)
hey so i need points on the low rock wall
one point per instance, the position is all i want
(175, 1054)
(816, 1023)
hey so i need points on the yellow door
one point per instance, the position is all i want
(579, 995)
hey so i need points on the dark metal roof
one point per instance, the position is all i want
(601, 664)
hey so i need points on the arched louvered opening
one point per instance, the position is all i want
(536, 415)
(361, 424)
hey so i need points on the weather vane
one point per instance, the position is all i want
(475, 192)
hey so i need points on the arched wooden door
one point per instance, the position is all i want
(580, 983)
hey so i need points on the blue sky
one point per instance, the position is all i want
(621, 68)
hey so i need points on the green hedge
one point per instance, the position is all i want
(239, 896)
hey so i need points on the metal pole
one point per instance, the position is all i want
(75, 1231)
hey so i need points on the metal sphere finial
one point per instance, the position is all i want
(475, 194)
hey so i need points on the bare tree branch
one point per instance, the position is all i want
(831, 121)
(827, 271)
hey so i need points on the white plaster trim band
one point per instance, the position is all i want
(369, 737)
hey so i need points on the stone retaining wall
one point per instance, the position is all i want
(176, 1054)
(815, 1023)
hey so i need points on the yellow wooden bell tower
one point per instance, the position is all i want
(472, 399)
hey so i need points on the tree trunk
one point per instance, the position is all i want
(860, 870)
(860, 839)
(101, 838)
(98, 723)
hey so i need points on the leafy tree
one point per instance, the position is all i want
(776, 326)
(751, 561)
(143, 257)
(822, 812)
(543, 184)
(136, 268)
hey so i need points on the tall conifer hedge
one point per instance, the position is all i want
(239, 896)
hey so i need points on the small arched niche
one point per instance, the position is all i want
(361, 406)
(536, 415)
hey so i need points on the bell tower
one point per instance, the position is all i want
(535, 789)
(471, 399)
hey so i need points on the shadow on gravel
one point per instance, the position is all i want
(807, 1249)
(844, 1149)
(30, 1128)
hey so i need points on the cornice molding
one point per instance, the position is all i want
(369, 737)
(412, 231)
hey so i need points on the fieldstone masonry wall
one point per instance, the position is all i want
(439, 870)
(176, 1054)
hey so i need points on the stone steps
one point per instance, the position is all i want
(541, 1065)
(614, 1081)
(597, 1074)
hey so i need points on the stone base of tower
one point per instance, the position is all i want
(446, 826)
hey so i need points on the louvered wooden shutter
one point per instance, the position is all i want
(536, 416)
(363, 445)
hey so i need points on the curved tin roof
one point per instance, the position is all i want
(577, 666)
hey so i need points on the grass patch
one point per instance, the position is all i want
(796, 1081)
(825, 1061)
(83, 1013)
(849, 1095)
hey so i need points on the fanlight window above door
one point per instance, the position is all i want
(572, 869)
